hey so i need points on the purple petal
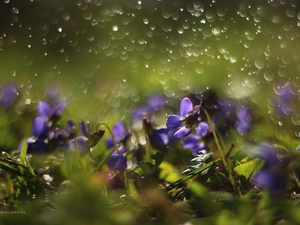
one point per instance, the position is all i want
(117, 163)
(122, 150)
(190, 142)
(243, 127)
(202, 129)
(158, 138)
(109, 143)
(57, 111)
(156, 102)
(119, 131)
(182, 132)
(38, 126)
(44, 109)
(186, 106)
(83, 129)
(78, 143)
(173, 121)
(198, 148)
(71, 126)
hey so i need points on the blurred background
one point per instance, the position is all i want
(111, 54)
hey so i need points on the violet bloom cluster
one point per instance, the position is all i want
(45, 138)
(184, 122)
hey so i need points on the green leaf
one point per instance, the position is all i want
(247, 169)
(167, 173)
(23, 153)
(147, 167)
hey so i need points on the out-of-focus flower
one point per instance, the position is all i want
(8, 95)
(49, 112)
(194, 141)
(158, 138)
(272, 176)
(117, 162)
(154, 103)
(243, 124)
(284, 103)
(38, 143)
(233, 114)
(186, 120)
(87, 141)
(120, 134)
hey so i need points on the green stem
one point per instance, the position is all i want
(227, 167)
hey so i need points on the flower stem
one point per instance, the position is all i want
(226, 165)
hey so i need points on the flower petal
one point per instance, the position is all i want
(198, 148)
(44, 109)
(38, 126)
(182, 132)
(173, 121)
(119, 131)
(83, 129)
(202, 129)
(186, 106)
(59, 108)
(109, 143)
(117, 163)
(78, 143)
(190, 142)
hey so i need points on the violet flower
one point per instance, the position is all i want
(243, 124)
(120, 134)
(49, 112)
(38, 143)
(158, 138)
(153, 104)
(87, 141)
(117, 163)
(284, 103)
(194, 141)
(186, 120)
(272, 176)
(8, 95)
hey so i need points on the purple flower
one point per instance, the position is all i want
(48, 112)
(38, 143)
(154, 103)
(188, 117)
(272, 176)
(194, 141)
(120, 133)
(87, 141)
(243, 124)
(117, 163)
(284, 103)
(8, 95)
(158, 138)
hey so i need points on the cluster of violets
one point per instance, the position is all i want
(186, 127)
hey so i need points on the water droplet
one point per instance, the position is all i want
(115, 28)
